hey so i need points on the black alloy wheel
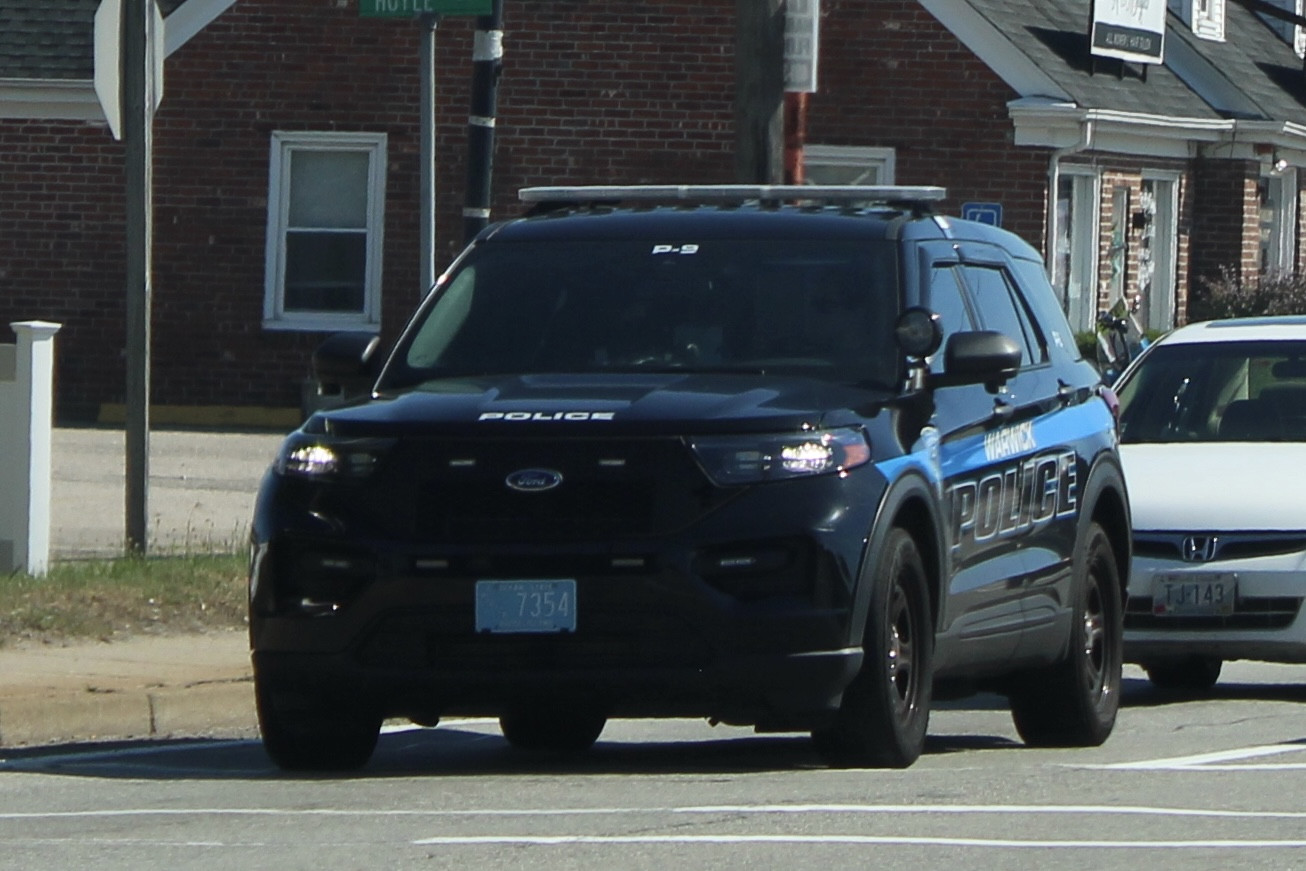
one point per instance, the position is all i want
(885, 712)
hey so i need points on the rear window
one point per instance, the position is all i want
(822, 309)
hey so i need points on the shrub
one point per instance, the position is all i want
(1229, 296)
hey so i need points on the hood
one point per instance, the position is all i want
(645, 404)
(1226, 486)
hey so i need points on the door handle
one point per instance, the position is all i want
(1065, 393)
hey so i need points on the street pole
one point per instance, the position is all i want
(137, 118)
(426, 272)
(759, 91)
(487, 56)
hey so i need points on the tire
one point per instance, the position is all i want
(885, 712)
(306, 737)
(1074, 703)
(1189, 674)
(552, 729)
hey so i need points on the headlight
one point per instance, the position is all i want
(308, 456)
(754, 459)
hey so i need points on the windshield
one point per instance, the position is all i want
(1227, 391)
(817, 308)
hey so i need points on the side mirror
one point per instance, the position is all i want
(980, 357)
(345, 366)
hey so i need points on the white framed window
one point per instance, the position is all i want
(1158, 227)
(1074, 229)
(1291, 32)
(326, 207)
(1204, 17)
(847, 164)
(1278, 200)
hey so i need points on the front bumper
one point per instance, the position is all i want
(1265, 622)
(744, 616)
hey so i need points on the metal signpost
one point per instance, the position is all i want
(428, 14)
(129, 83)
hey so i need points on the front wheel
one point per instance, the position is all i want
(1189, 674)
(882, 720)
(554, 728)
(1074, 703)
(300, 736)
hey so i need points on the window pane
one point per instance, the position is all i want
(997, 309)
(328, 189)
(818, 173)
(946, 301)
(325, 271)
(813, 308)
(1217, 391)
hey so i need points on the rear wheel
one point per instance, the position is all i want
(1074, 703)
(313, 736)
(1191, 673)
(882, 720)
(552, 728)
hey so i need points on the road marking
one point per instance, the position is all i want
(1223, 760)
(562, 840)
(758, 810)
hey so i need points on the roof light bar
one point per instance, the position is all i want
(735, 193)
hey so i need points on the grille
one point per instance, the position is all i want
(1228, 546)
(606, 640)
(1261, 613)
(455, 491)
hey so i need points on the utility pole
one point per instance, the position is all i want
(487, 57)
(759, 91)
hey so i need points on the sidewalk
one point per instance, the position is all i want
(190, 685)
(202, 487)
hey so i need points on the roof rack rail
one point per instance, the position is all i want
(917, 197)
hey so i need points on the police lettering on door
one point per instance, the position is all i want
(1017, 498)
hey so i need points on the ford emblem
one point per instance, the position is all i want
(533, 480)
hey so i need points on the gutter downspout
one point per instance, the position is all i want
(1054, 185)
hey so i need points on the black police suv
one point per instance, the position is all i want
(800, 458)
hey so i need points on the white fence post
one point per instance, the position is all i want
(26, 423)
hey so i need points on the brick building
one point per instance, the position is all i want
(287, 158)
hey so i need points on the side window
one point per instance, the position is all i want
(325, 207)
(1000, 309)
(949, 304)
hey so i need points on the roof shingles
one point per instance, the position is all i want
(51, 40)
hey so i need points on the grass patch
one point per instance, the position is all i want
(113, 598)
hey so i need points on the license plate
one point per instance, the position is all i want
(526, 606)
(1194, 595)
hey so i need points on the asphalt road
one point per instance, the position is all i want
(1182, 784)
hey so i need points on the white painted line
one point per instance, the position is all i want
(759, 810)
(1217, 761)
(685, 840)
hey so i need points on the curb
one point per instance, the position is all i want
(192, 710)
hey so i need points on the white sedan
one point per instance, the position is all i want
(1213, 440)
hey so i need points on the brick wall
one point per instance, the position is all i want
(892, 76)
(1227, 222)
(587, 95)
(592, 91)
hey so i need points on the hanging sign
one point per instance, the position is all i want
(1131, 30)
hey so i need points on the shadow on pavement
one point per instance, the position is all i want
(446, 751)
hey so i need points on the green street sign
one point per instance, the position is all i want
(409, 8)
